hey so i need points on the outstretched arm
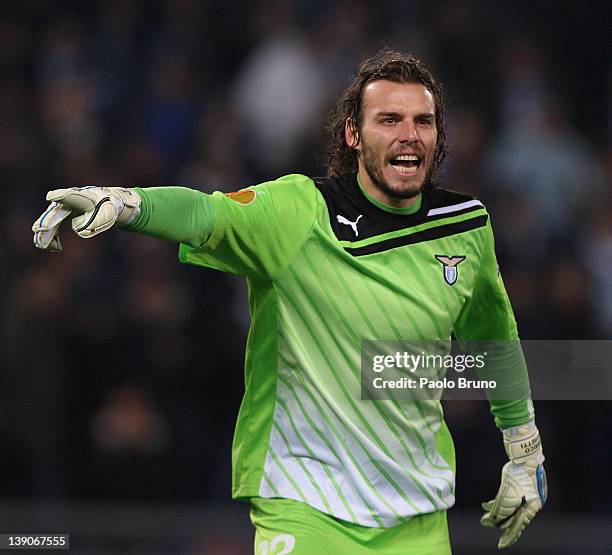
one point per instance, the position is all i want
(254, 232)
(173, 213)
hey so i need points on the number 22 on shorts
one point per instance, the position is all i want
(269, 548)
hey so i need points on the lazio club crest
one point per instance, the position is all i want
(450, 263)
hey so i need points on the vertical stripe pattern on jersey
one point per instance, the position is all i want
(323, 353)
(296, 456)
(372, 435)
(357, 435)
(383, 411)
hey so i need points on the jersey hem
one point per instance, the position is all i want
(388, 522)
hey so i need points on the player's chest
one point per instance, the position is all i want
(408, 291)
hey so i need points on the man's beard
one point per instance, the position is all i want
(375, 173)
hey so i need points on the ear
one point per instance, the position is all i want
(351, 134)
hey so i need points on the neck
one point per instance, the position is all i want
(370, 187)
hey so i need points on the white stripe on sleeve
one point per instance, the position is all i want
(454, 207)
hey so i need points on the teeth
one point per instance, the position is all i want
(401, 169)
(407, 157)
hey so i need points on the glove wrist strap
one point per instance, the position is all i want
(523, 443)
(130, 205)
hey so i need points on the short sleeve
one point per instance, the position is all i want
(258, 230)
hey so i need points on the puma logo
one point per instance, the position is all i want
(353, 225)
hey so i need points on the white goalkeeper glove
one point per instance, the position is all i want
(93, 210)
(523, 488)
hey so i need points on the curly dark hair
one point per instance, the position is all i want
(392, 66)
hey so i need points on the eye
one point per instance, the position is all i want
(425, 122)
(389, 121)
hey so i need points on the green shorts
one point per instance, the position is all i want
(287, 527)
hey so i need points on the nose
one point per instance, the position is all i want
(408, 132)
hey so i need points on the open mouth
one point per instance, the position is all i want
(406, 164)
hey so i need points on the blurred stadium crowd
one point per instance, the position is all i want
(122, 369)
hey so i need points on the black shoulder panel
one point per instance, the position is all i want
(446, 197)
(353, 217)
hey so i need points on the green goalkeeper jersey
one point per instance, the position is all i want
(329, 267)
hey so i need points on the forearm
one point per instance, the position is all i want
(510, 401)
(512, 413)
(176, 214)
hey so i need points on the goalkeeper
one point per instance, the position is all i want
(374, 251)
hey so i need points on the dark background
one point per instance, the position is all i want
(121, 370)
